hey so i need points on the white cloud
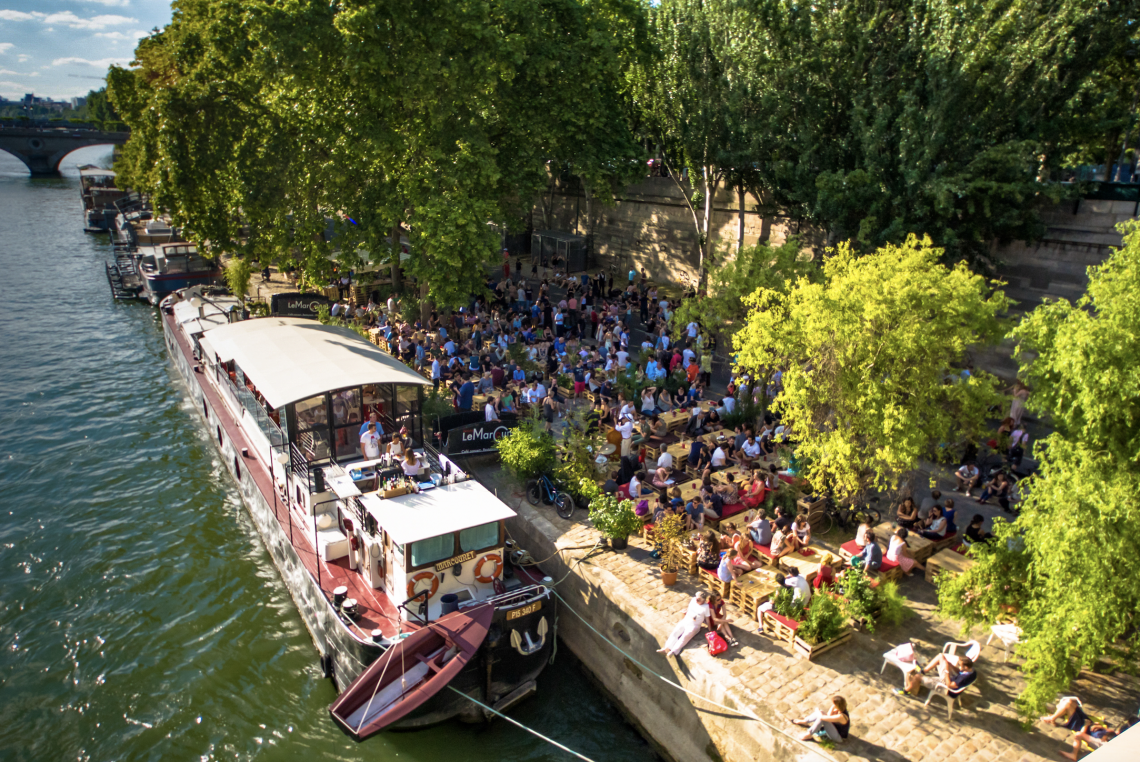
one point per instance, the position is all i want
(113, 3)
(69, 19)
(19, 16)
(10, 73)
(23, 57)
(5, 47)
(102, 63)
(138, 34)
(14, 86)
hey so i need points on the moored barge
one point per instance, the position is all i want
(371, 551)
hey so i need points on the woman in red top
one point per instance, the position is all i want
(826, 575)
(718, 621)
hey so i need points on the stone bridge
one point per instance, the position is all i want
(43, 148)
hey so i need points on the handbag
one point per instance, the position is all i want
(717, 644)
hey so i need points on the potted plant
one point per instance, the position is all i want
(616, 520)
(527, 451)
(668, 533)
(861, 600)
(824, 627)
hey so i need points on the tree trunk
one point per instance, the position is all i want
(425, 304)
(397, 248)
(704, 233)
(740, 222)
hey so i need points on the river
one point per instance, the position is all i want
(140, 617)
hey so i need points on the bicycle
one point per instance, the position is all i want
(542, 490)
(847, 517)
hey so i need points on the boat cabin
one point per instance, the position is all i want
(176, 259)
(414, 529)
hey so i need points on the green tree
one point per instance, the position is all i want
(855, 115)
(869, 356)
(1063, 563)
(238, 273)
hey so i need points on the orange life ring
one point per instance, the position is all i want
(419, 578)
(495, 574)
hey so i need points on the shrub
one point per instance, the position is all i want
(436, 406)
(614, 519)
(893, 610)
(526, 453)
(825, 620)
(668, 532)
(785, 606)
(861, 601)
(238, 273)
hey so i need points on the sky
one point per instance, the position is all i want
(62, 48)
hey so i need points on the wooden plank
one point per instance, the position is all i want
(947, 562)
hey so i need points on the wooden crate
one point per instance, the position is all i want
(394, 492)
(778, 628)
(751, 590)
(920, 547)
(814, 510)
(714, 584)
(947, 562)
(810, 652)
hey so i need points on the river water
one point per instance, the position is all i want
(140, 617)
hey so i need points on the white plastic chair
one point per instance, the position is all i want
(940, 689)
(971, 649)
(1008, 634)
(891, 657)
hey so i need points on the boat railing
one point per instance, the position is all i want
(243, 398)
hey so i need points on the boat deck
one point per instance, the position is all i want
(376, 610)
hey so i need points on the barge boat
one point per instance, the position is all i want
(372, 552)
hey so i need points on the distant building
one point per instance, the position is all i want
(77, 102)
(29, 99)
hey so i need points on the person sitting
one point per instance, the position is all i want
(728, 570)
(713, 506)
(801, 528)
(1095, 735)
(975, 533)
(948, 513)
(761, 529)
(719, 457)
(907, 514)
(695, 515)
(658, 429)
(718, 619)
(635, 489)
(871, 559)
(796, 581)
(698, 454)
(899, 552)
(955, 674)
(928, 502)
(784, 519)
(998, 487)
(746, 555)
(730, 492)
(825, 577)
(411, 464)
(695, 616)
(1070, 714)
(782, 544)
(967, 477)
(755, 494)
(708, 552)
(662, 477)
(833, 723)
(935, 528)
(862, 532)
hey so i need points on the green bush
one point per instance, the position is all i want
(862, 602)
(785, 606)
(614, 519)
(527, 453)
(436, 406)
(893, 610)
(825, 620)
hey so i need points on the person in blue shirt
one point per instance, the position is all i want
(473, 362)
(466, 394)
(449, 347)
(519, 374)
(651, 369)
(372, 419)
(560, 345)
(442, 332)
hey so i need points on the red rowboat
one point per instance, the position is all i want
(411, 672)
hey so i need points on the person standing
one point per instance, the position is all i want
(625, 428)
(370, 442)
(373, 422)
(466, 394)
(489, 411)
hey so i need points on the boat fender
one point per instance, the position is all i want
(328, 665)
(425, 575)
(485, 578)
(354, 543)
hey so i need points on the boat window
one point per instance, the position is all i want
(347, 420)
(433, 549)
(311, 413)
(200, 264)
(176, 264)
(477, 538)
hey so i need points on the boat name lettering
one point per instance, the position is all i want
(519, 613)
(443, 565)
(480, 433)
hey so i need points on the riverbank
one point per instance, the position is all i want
(620, 595)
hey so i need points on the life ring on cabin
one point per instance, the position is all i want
(419, 578)
(493, 575)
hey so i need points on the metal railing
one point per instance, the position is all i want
(244, 398)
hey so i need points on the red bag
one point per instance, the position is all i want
(717, 646)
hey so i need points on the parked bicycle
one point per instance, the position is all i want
(543, 491)
(848, 517)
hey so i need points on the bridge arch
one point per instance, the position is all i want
(42, 150)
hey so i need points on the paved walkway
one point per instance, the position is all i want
(777, 684)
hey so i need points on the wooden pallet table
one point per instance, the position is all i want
(808, 566)
(676, 419)
(802, 648)
(778, 627)
(920, 547)
(750, 590)
(714, 583)
(947, 562)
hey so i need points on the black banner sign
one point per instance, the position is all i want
(476, 437)
(297, 305)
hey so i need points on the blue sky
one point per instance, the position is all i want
(60, 48)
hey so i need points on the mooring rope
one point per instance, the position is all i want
(516, 723)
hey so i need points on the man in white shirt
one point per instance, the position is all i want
(392, 305)
(796, 581)
(370, 443)
(729, 404)
(665, 460)
(622, 358)
(435, 371)
(751, 448)
(692, 328)
(718, 457)
(625, 428)
(539, 391)
(687, 355)
(968, 477)
(489, 411)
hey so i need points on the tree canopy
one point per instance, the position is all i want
(871, 357)
(258, 123)
(1061, 564)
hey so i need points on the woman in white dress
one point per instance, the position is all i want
(696, 615)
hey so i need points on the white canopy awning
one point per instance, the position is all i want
(436, 512)
(291, 359)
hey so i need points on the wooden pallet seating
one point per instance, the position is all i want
(750, 590)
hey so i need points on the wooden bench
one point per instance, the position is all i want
(750, 590)
(714, 583)
(947, 562)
